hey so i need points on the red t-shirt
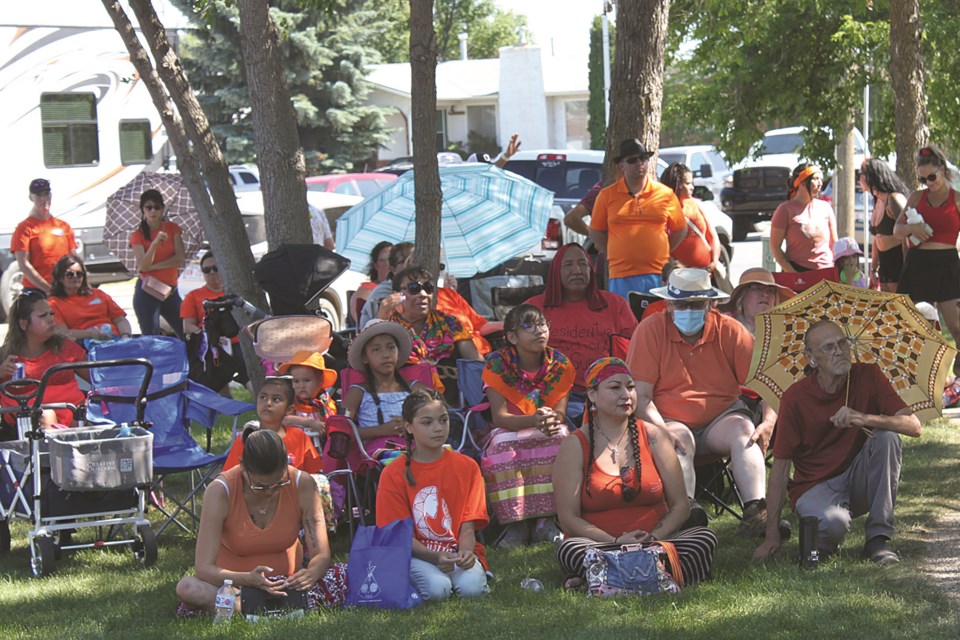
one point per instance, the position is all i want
(62, 387)
(300, 451)
(164, 252)
(694, 251)
(448, 493)
(45, 242)
(805, 435)
(83, 312)
(583, 335)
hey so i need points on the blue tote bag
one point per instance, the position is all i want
(378, 570)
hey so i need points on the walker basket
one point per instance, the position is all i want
(94, 459)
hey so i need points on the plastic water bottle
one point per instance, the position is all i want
(124, 431)
(107, 328)
(913, 216)
(226, 602)
(531, 584)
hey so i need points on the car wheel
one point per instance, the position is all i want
(11, 284)
(741, 227)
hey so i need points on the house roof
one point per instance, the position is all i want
(470, 79)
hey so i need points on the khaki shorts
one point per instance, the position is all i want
(700, 435)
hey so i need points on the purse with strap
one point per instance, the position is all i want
(155, 288)
(635, 569)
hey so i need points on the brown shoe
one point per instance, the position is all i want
(754, 523)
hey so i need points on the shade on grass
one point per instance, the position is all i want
(98, 594)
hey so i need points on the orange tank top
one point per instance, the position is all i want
(603, 505)
(244, 545)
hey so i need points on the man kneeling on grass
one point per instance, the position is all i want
(844, 445)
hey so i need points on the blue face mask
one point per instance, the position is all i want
(689, 321)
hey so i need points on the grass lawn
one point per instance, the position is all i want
(96, 594)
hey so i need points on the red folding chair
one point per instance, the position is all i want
(803, 280)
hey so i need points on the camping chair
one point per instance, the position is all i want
(172, 403)
(504, 299)
(473, 405)
(803, 280)
(639, 303)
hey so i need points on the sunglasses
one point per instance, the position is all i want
(268, 487)
(153, 207)
(31, 292)
(636, 159)
(73, 275)
(208, 270)
(930, 178)
(627, 492)
(413, 288)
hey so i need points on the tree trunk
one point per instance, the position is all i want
(636, 87)
(279, 156)
(843, 189)
(426, 173)
(906, 74)
(222, 223)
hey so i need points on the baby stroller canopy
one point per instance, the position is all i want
(294, 275)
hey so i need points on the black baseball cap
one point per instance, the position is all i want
(632, 147)
(39, 185)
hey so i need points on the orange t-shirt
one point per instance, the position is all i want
(62, 386)
(692, 384)
(603, 505)
(82, 312)
(45, 242)
(300, 451)
(448, 493)
(451, 303)
(244, 546)
(694, 251)
(164, 252)
(637, 243)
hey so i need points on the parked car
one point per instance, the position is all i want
(401, 165)
(351, 184)
(758, 184)
(709, 168)
(244, 177)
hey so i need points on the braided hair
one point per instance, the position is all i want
(411, 405)
(591, 411)
(632, 427)
(635, 439)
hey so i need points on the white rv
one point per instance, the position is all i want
(74, 111)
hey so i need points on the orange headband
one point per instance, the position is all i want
(806, 173)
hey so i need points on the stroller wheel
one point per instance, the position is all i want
(42, 556)
(4, 537)
(145, 546)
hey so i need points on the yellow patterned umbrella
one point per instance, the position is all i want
(884, 328)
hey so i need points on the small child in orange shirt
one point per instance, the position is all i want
(443, 492)
(310, 379)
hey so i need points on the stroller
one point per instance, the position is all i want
(63, 481)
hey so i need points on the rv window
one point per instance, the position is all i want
(69, 123)
(135, 147)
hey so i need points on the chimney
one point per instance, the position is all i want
(463, 45)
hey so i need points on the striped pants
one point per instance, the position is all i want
(695, 547)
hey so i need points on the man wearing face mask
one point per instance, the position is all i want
(689, 364)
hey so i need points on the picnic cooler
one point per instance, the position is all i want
(98, 458)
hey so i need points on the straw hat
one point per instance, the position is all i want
(376, 328)
(313, 360)
(756, 275)
(689, 284)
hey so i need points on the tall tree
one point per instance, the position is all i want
(636, 88)
(597, 117)
(423, 99)
(487, 27)
(325, 61)
(197, 150)
(282, 169)
(906, 75)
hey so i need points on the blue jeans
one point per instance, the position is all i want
(433, 584)
(623, 286)
(149, 310)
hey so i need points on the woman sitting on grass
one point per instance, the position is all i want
(616, 485)
(249, 526)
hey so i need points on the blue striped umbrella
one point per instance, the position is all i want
(489, 216)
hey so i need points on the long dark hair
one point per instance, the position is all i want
(673, 176)
(520, 315)
(411, 404)
(59, 271)
(370, 386)
(591, 411)
(800, 168)
(374, 256)
(880, 178)
(150, 195)
(21, 309)
(264, 452)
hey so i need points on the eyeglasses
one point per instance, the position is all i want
(413, 288)
(627, 491)
(73, 275)
(535, 327)
(636, 159)
(153, 207)
(268, 487)
(837, 346)
(208, 270)
(682, 305)
(930, 178)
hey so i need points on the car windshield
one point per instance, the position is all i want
(781, 143)
(670, 158)
(566, 179)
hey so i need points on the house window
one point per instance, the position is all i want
(576, 116)
(135, 147)
(482, 128)
(69, 122)
(441, 130)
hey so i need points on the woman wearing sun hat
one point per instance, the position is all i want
(756, 292)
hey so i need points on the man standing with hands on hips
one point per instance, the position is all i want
(40, 240)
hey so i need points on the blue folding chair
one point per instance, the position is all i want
(473, 402)
(172, 402)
